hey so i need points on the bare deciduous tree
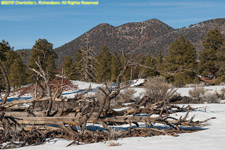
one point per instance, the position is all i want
(88, 60)
(44, 75)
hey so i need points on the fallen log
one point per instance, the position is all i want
(76, 120)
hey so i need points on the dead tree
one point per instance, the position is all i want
(44, 75)
(62, 117)
(88, 62)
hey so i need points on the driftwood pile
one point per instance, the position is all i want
(87, 119)
(28, 122)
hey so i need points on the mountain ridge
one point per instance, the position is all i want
(124, 37)
(146, 37)
(195, 33)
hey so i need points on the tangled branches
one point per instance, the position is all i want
(88, 119)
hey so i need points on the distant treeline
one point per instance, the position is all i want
(180, 67)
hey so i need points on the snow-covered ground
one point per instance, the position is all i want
(139, 91)
(82, 86)
(209, 89)
(213, 138)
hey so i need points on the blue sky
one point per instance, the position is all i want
(21, 26)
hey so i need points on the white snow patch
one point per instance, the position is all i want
(210, 139)
(209, 89)
(137, 82)
(85, 85)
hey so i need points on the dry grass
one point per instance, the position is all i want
(56, 83)
(127, 95)
(114, 144)
(203, 95)
(223, 91)
(157, 88)
(211, 98)
(100, 96)
(114, 134)
(197, 92)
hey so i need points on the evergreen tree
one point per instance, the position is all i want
(159, 58)
(127, 74)
(7, 55)
(138, 70)
(181, 59)
(115, 66)
(17, 74)
(220, 64)
(42, 50)
(8, 58)
(151, 62)
(104, 65)
(213, 40)
(160, 65)
(4, 48)
(208, 58)
(221, 60)
(207, 65)
(159, 62)
(77, 65)
(67, 66)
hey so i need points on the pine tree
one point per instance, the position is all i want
(221, 60)
(207, 65)
(8, 61)
(208, 58)
(182, 58)
(127, 74)
(17, 74)
(160, 65)
(115, 66)
(220, 64)
(138, 70)
(151, 62)
(7, 55)
(10, 56)
(67, 67)
(213, 40)
(159, 58)
(104, 65)
(42, 50)
(4, 48)
(77, 65)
